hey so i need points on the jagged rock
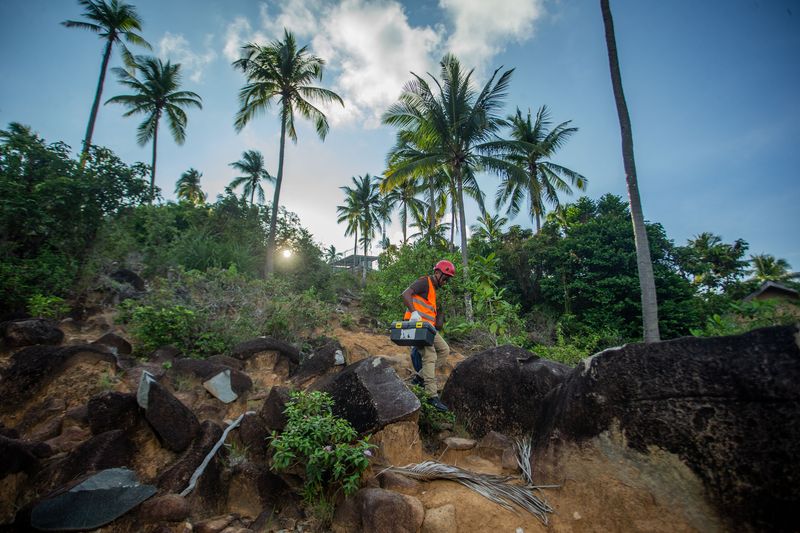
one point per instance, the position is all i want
(253, 433)
(729, 407)
(166, 508)
(174, 423)
(20, 455)
(108, 450)
(112, 410)
(272, 408)
(389, 512)
(29, 332)
(318, 363)
(501, 389)
(369, 395)
(126, 276)
(114, 344)
(96, 501)
(220, 387)
(440, 520)
(176, 477)
(240, 382)
(248, 349)
(31, 368)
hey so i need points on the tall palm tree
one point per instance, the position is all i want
(252, 166)
(489, 228)
(332, 254)
(405, 196)
(448, 125)
(281, 71)
(112, 21)
(383, 215)
(644, 263)
(767, 268)
(534, 143)
(359, 211)
(188, 187)
(155, 95)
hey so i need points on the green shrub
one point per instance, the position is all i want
(155, 327)
(324, 446)
(431, 420)
(47, 306)
(745, 316)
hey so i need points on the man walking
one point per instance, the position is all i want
(420, 300)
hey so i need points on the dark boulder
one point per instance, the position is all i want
(369, 395)
(729, 407)
(112, 410)
(253, 432)
(389, 512)
(20, 455)
(166, 508)
(248, 349)
(29, 332)
(272, 408)
(129, 277)
(501, 389)
(172, 421)
(108, 450)
(240, 382)
(318, 363)
(176, 477)
(33, 367)
(114, 344)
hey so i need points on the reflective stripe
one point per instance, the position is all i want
(425, 315)
(423, 303)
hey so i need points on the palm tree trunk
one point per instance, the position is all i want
(87, 140)
(153, 168)
(364, 264)
(405, 219)
(464, 257)
(432, 221)
(355, 251)
(643, 260)
(273, 221)
(452, 224)
(252, 194)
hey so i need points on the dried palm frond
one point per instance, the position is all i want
(524, 458)
(495, 488)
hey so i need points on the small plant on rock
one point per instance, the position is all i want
(431, 420)
(326, 447)
(53, 307)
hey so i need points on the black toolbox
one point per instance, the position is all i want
(412, 333)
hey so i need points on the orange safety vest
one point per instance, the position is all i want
(425, 308)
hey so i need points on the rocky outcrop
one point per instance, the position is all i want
(112, 410)
(318, 363)
(501, 389)
(272, 409)
(248, 349)
(29, 332)
(389, 512)
(369, 395)
(176, 477)
(240, 382)
(729, 407)
(174, 423)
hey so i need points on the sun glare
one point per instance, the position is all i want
(287, 253)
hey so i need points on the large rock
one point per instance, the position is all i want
(240, 382)
(128, 277)
(111, 449)
(271, 411)
(389, 512)
(369, 395)
(33, 367)
(20, 456)
(114, 344)
(174, 423)
(176, 477)
(318, 363)
(30, 331)
(729, 407)
(248, 349)
(112, 410)
(501, 389)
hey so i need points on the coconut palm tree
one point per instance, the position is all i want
(252, 166)
(112, 21)
(534, 144)
(332, 254)
(188, 187)
(359, 211)
(643, 261)
(448, 125)
(767, 268)
(154, 96)
(489, 228)
(281, 71)
(383, 216)
(405, 196)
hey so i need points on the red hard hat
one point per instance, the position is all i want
(445, 267)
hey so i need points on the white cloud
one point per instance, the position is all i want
(238, 33)
(177, 49)
(481, 29)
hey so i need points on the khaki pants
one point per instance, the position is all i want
(433, 357)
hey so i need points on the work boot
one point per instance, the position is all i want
(437, 404)
(418, 381)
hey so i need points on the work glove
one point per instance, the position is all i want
(415, 317)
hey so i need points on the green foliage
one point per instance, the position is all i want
(745, 316)
(324, 446)
(47, 306)
(51, 210)
(431, 420)
(154, 327)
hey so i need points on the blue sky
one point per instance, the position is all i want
(712, 89)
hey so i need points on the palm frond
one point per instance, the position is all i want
(498, 489)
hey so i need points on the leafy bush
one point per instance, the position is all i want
(431, 420)
(324, 446)
(745, 316)
(47, 306)
(155, 327)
